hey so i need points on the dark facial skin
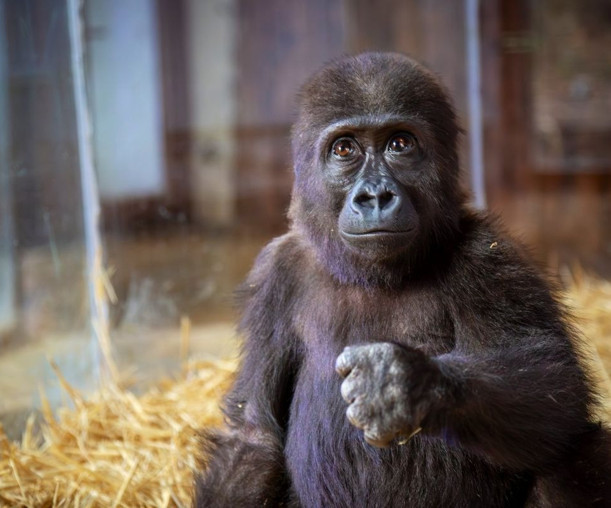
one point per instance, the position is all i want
(368, 164)
(399, 348)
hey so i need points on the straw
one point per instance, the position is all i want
(116, 449)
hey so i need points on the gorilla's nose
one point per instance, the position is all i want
(378, 198)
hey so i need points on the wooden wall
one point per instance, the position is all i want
(239, 175)
(566, 216)
(278, 47)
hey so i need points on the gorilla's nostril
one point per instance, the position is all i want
(365, 199)
(374, 200)
(384, 198)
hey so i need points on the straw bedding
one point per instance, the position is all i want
(116, 449)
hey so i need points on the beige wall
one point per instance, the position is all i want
(211, 28)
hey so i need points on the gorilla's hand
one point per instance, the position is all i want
(390, 389)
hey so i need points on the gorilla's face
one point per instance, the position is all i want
(376, 168)
(369, 168)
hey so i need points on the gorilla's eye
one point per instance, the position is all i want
(401, 143)
(344, 148)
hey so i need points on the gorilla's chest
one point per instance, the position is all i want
(334, 319)
(329, 462)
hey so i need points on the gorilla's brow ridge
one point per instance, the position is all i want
(415, 123)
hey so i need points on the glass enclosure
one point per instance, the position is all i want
(187, 114)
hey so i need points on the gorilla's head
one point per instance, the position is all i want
(376, 170)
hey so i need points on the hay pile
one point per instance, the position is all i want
(589, 299)
(116, 449)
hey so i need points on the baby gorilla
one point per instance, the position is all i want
(462, 381)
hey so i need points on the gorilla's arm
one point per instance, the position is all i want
(523, 394)
(246, 460)
(521, 407)
(512, 388)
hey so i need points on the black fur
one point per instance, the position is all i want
(453, 331)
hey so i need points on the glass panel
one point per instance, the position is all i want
(43, 296)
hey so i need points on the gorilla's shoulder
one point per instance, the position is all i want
(486, 249)
(484, 236)
(286, 253)
(281, 263)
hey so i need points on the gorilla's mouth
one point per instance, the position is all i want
(376, 233)
(385, 238)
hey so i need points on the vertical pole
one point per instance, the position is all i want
(105, 368)
(474, 99)
(7, 259)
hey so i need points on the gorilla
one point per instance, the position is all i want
(400, 349)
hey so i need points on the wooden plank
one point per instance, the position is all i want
(280, 45)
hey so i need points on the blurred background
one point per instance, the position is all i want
(180, 110)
